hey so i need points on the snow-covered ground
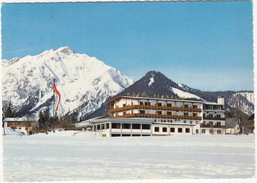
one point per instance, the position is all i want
(63, 156)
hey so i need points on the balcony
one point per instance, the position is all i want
(130, 107)
(158, 116)
(212, 126)
(212, 118)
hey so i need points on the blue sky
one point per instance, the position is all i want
(205, 45)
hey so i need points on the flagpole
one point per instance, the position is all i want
(53, 107)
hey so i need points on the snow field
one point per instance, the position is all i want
(64, 157)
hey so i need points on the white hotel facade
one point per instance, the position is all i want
(144, 116)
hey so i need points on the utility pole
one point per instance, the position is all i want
(53, 108)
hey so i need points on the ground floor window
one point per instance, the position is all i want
(116, 125)
(187, 130)
(219, 131)
(126, 126)
(115, 135)
(172, 129)
(164, 129)
(136, 126)
(146, 126)
(197, 131)
(203, 130)
(156, 129)
(211, 131)
(179, 130)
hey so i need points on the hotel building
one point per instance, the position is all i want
(144, 116)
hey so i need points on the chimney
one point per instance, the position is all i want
(221, 100)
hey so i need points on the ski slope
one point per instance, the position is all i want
(63, 156)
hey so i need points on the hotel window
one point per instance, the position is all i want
(194, 114)
(125, 126)
(172, 129)
(107, 125)
(159, 104)
(211, 131)
(164, 129)
(185, 114)
(197, 131)
(159, 112)
(142, 112)
(147, 103)
(218, 123)
(169, 113)
(211, 123)
(169, 105)
(146, 126)
(186, 106)
(102, 126)
(141, 103)
(116, 125)
(194, 106)
(211, 115)
(218, 116)
(179, 130)
(136, 126)
(187, 130)
(203, 130)
(156, 129)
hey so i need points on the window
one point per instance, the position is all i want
(211, 131)
(159, 112)
(102, 126)
(172, 130)
(186, 106)
(179, 130)
(136, 126)
(211, 115)
(185, 121)
(124, 105)
(203, 130)
(124, 113)
(147, 103)
(194, 114)
(197, 131)
(146, 126)
(115, 135)
(126, 126)
(164, 129)
(194, 106)
(142, 112)
(116, 125)
(107, 125)
(169, 105)
(141, 103)
(186, 114)
(156, 129)
(211, 123)
(187, 130)
(159, 104)
(218, 123)
(169, 113)
(218, 116)
(219, 131)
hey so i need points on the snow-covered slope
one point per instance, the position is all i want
(84, 82)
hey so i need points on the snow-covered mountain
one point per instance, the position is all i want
(154, 83)
(83, 81)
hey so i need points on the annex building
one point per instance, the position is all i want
(145, 116)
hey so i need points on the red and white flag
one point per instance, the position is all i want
(59, 96)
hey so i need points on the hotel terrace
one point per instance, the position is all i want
(145, 116)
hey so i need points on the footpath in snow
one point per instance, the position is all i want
(64, 157)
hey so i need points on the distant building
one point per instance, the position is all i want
(24, 125)
(143, 116)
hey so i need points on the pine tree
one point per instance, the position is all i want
(9, 112)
